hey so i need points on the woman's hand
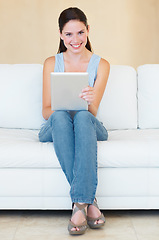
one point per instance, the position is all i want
(88, 94)
(93, 95)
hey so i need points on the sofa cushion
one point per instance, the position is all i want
(20, 148)
(118, 108)
(148, 96)
(21, 96)
(130, 148)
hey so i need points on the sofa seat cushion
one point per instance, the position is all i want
(130, 148)
(20, 148)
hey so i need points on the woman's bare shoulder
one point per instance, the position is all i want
(104, 63)
(104, 67)
(49, 61)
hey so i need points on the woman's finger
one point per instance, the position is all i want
(87, 89)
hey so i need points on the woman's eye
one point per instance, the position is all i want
(68, 34)
(81, 32)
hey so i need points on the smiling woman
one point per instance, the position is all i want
(74, 35)
(67, 16)
(75, 137)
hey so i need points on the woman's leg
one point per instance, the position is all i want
(87, 131)
(82, 175)
(59, 129)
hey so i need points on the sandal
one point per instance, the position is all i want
(83, 226)
(91, 221)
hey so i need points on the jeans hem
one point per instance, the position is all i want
(86, 200)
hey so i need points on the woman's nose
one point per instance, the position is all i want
(75, 38)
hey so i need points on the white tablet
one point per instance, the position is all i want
(65, 90)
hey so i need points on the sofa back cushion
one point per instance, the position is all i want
(21, 96)
(118, 108)
(148, 96)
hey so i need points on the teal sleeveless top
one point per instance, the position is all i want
(91, 69)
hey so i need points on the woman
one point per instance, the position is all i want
(75, 137)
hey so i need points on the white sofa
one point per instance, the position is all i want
(30, 175)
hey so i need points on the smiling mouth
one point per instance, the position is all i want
(76, 46)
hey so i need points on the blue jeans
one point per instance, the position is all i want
(75, 142)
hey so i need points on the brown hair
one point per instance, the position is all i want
(68, 14)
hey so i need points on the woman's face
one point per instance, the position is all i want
(74, 35)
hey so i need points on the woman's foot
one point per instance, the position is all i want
(94, 216)
(78, 222)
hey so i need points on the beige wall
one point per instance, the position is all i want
(122, 31)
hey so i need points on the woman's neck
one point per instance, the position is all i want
(76, 62)
(77, 57)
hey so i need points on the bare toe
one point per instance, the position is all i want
(75, 229)
(99, 221)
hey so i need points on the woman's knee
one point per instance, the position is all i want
(83, 117)
(60, 118)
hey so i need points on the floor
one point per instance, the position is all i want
(52, 225)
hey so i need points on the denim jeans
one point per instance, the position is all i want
(75, 143)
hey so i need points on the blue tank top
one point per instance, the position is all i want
(91, 69)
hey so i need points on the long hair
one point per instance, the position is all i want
(68, 14)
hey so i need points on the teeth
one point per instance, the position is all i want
(76, 46)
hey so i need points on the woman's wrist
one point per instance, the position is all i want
(47, 113)
(92, 109)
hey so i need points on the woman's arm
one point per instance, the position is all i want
(93, 95)
(47, 69)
